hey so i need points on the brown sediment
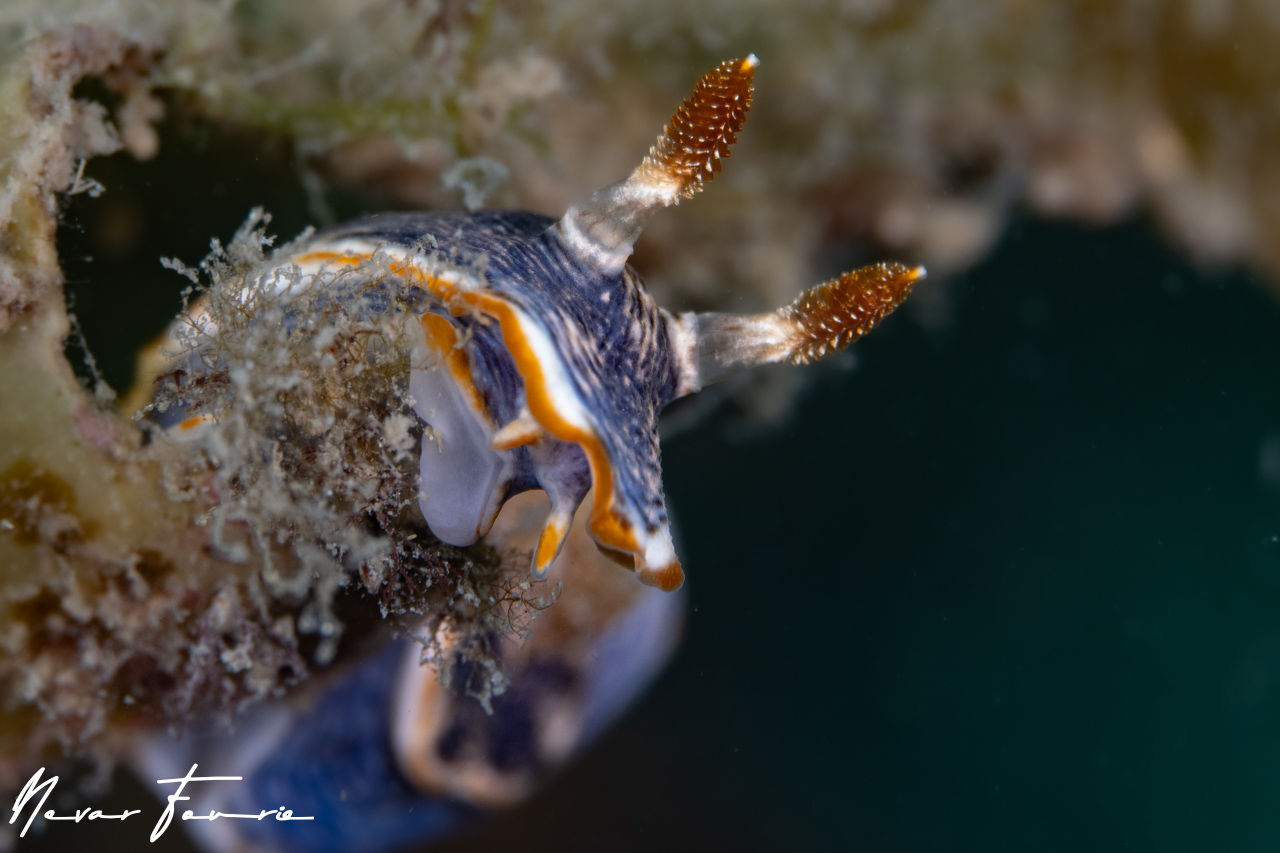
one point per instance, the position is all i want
(32, 501)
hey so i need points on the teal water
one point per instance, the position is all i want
(1010, 586)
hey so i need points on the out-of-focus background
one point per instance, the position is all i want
(1006, 576)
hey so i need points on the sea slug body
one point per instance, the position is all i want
(543, 362)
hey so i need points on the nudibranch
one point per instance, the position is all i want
(544, 362)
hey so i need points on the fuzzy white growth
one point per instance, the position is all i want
(476, 178)
(295, 398)
(310, 437)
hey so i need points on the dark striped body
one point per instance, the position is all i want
(613, 342)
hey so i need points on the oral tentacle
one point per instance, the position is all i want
(563, 473)
(550, 543)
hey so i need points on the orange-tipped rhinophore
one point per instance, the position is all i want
(832, 315)
(690, 148)
(601, 229)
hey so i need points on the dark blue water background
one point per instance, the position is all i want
(1010, 586)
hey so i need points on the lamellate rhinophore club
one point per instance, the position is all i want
(546, 366)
